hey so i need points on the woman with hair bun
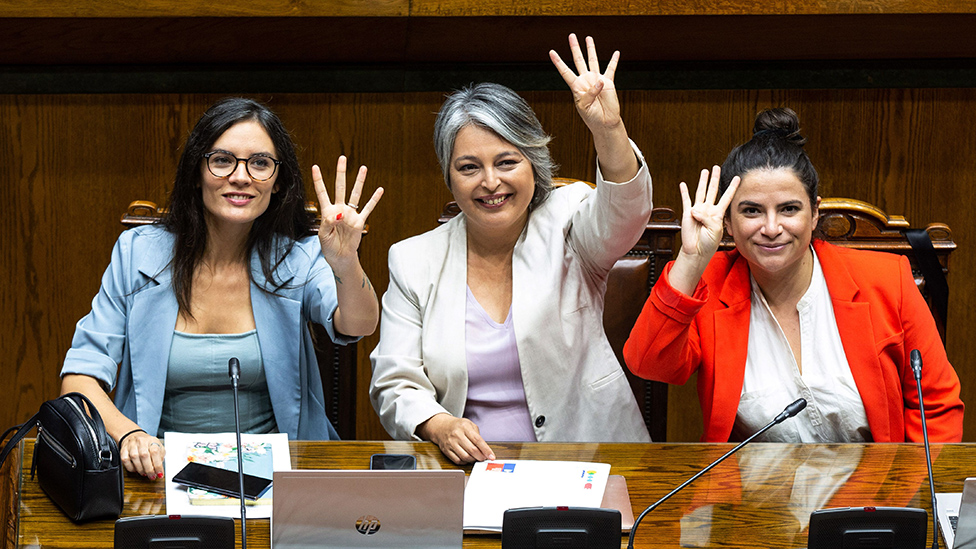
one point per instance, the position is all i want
(784, 316)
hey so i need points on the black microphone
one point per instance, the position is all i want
(916, 362)
(234, 369)
(787, 413)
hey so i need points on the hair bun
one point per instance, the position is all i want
(782, 122)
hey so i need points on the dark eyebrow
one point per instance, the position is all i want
(749, 203)
(225, 151)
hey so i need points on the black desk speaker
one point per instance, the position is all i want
(562, 527)
(868, 527)
(174, 532)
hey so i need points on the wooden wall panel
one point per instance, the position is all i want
(69, 165)
(468, 8)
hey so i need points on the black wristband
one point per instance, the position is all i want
(129, 433)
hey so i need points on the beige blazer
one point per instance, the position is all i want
(574, 387)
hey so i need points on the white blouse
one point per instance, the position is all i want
(834, 411)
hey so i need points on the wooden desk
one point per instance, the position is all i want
(761, 497)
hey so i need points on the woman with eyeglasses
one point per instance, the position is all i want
(231, 271)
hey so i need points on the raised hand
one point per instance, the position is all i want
(342, 225)
(702, 224)
(702, 227)
(594, 93)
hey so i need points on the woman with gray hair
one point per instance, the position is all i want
(492, 325)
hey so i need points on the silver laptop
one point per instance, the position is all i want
(957, 516)
(355, 509)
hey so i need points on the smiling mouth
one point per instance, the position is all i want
(493, 200)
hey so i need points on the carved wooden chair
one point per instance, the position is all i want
(337, 363)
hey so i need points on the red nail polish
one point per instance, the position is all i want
(160, 475)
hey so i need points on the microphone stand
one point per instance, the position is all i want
(916, 362)
(789, 412)
(234, 367)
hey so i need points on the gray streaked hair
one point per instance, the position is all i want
(504, 112)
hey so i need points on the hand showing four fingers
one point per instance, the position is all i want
(702, 228)
(342, 225)
(702, 223)
(594, 93)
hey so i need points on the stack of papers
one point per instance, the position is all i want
(495, 486)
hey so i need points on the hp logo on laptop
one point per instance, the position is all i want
(367, 525)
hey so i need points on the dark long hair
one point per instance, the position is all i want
(185, 218)
(776, 143)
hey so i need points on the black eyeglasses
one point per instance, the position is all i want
(260, 167)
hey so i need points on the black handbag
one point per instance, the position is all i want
(76, 461)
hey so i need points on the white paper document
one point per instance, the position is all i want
(495, 486)
(263, 454)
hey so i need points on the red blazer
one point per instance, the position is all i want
(881, 317)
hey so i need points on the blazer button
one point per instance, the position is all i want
(540, 421)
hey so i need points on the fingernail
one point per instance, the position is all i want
(338, 217)
(160, 475)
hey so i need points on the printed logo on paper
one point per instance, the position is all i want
(588, 477)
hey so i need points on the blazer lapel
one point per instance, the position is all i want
(856, 335)
(450, 324)
(279, 322)
(731, 345)
(151, 321)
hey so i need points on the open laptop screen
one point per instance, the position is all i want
(957, 516)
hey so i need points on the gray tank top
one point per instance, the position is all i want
(199, 398)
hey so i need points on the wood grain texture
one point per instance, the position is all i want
(550, 8)
(10, 498)
(212, 41)
(71, 164)
(200, 8)
(739, 504)
(441, 8)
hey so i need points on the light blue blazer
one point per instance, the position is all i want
(125, 340)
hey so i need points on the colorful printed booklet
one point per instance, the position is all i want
(495, 486)
(263, 454)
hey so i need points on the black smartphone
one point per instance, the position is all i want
(392, 461)
(221, 481)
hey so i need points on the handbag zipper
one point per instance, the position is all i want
(91, 430)
(56, 446)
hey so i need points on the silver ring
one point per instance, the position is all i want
(156, 443)
(353, 206)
